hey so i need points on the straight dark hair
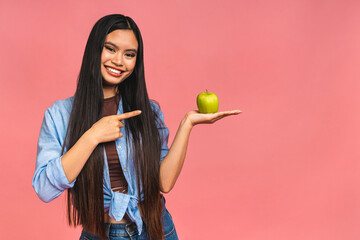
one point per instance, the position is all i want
(85, 201)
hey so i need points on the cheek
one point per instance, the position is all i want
(131, 64)
(104, 57)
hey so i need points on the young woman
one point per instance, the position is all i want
(107, 144)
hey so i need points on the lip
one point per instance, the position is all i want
(112, 73)
(114, 68)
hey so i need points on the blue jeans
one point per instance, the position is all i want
(122, 231)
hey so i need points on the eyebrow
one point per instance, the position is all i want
(112, 44)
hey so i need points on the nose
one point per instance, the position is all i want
(117, 59)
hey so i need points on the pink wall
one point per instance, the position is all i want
(287, 168)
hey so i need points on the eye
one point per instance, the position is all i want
(110, 49)
(130, 55)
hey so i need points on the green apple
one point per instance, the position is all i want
(207, 102)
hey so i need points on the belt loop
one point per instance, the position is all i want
(131, 227)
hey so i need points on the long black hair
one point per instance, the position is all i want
(85, 200)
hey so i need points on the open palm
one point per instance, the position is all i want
(207, 118)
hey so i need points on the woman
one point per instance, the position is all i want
(107, 144)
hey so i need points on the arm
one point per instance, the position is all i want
(105, 130)
(49, 179)
(173, 162)
(55, 173)
(74, 160)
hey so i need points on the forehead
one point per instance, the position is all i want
(122, 38)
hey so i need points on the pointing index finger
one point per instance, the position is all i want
(128, 114)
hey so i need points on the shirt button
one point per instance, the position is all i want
(119, 146)
(125, 169)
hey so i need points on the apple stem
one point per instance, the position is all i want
(206, 90)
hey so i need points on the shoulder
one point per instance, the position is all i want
(62, 106)
(56, 119)
(59, 112)
(155, 106)
(158, 114)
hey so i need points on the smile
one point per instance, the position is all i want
(113, 70)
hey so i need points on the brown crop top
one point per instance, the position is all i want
(117, 178)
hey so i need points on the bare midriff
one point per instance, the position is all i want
(108, 219)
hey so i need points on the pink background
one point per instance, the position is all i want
(286, 168)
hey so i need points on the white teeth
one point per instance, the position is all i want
(113, 70)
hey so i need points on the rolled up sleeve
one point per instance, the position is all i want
(163, 130)
(49, 180)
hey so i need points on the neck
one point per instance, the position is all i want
(109, 91)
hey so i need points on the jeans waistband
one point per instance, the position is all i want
(120, 225)
(121, 229)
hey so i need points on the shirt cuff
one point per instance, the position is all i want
(56, 175)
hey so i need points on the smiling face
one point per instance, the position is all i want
(118, 59)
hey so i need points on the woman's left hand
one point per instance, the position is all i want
(194, 117)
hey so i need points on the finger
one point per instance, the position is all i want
(221, 115)
(226, 115)
(218, 118)
(233, 112)
(128, 115)
(236, 111)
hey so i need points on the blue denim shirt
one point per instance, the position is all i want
(49, 180)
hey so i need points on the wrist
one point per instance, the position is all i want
(186, 122)
(90, 137)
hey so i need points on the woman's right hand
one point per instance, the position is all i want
(108, 128)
